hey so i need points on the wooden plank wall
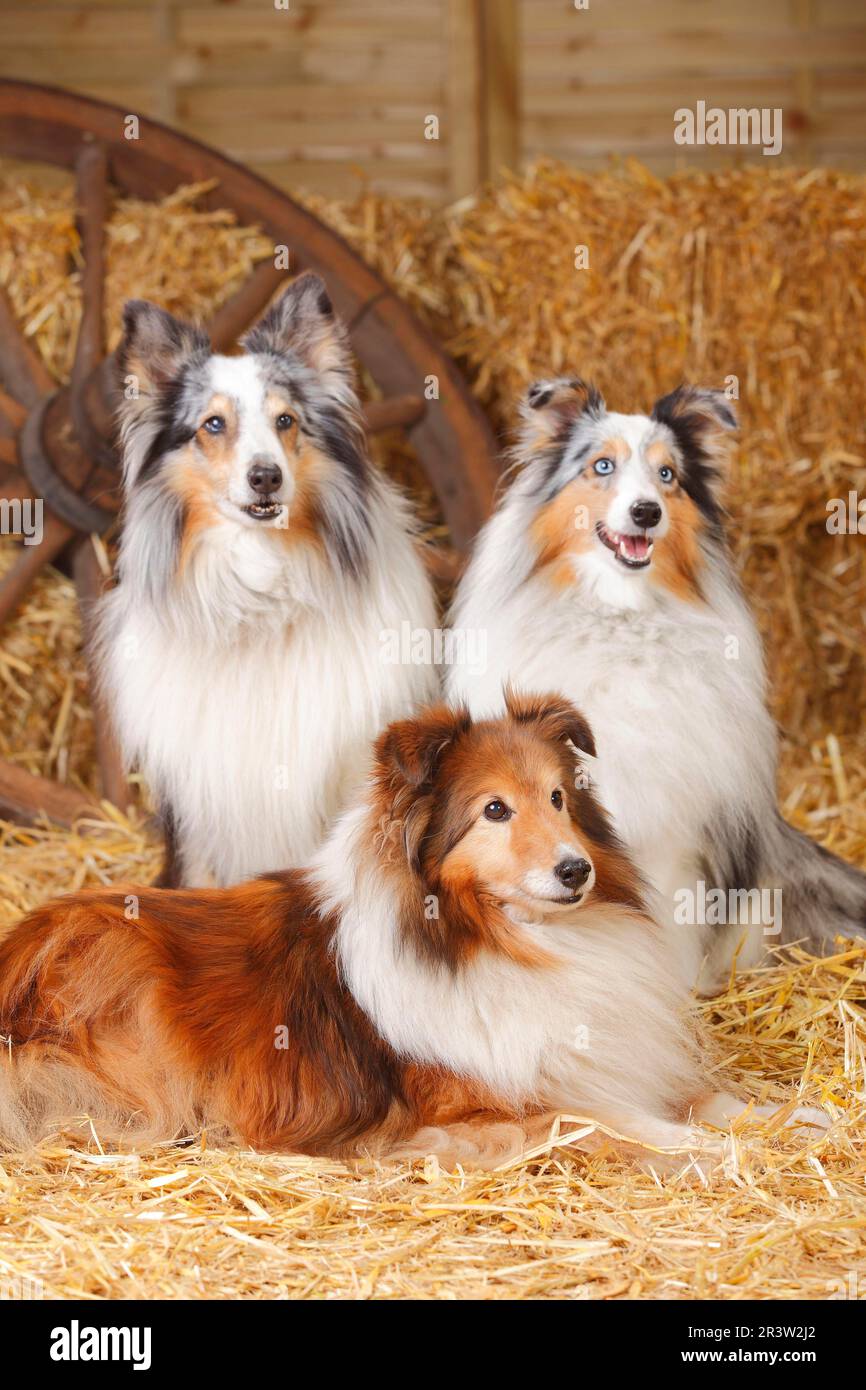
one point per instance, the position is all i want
(312, 94)
(326, 92)
(607, 80)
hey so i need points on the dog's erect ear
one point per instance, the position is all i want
(551, 406)
(154, 348)
(302, 322)
(412, 747)
(705, 409)
(553, 716)
(700, 420)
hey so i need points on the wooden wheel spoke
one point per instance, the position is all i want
(94, 427)
(91, 196)
(9, 453)
(24, 797)
(21, 369)
(394, 412)
(90, 583)
(13, 412)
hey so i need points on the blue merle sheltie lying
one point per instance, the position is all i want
(605, 574)
(261, 558)
(469, 953)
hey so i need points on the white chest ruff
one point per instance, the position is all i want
(254, 738)
(252, 746)
(675, 700)
(559, 1035)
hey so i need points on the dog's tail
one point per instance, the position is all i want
(822, 896)
(42, 1092)
(40, 1082)
(62, 969)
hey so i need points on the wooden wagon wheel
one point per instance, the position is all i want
(57, 443)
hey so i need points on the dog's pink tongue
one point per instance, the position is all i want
(635, 547)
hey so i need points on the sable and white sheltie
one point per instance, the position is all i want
(262, 558)
(605, 574)
(469, 951)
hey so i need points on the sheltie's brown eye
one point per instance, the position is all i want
(215, 424)
(556, 799)
(285, 422)
(497, 810)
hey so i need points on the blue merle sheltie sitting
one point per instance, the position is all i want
(605, 574)
(261, 559)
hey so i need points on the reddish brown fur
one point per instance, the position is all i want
(442, 750)
(677, 556)
(220, 972)
(149, 992)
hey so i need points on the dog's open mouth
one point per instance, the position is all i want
(263, 511)
(635, 552)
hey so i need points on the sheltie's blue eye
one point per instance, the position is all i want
(285, 422)
(215, 425)
(666, 474)
(603, 467)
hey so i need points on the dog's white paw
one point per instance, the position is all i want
(801, 1117)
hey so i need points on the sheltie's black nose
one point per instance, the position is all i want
(573, 872)
(645, 514)
(265, 477)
